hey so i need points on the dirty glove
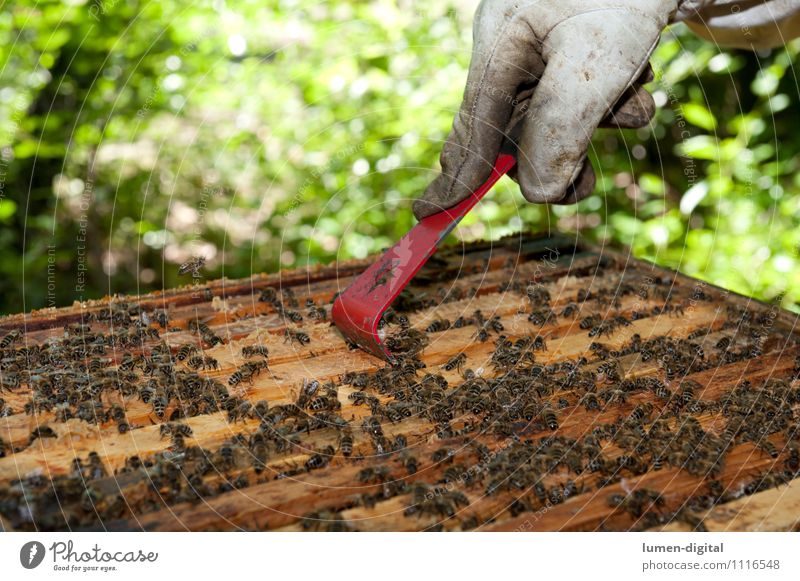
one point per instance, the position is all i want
(554, 70)
(558, 67)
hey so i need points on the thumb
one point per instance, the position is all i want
(591, 62)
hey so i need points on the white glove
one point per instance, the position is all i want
(581, 56)
(561, 67)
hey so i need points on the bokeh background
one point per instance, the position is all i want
(272, 134)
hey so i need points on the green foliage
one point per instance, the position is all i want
(270, 134)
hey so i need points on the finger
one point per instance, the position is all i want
(497, 70)
(635, 109)
(581, 187)
(582, 82)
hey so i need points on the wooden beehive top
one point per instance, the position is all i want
(558, 387)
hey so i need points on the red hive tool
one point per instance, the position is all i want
(358, 310)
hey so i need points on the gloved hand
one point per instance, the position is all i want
(559, 67)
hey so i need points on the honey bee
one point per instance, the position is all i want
(610, 370)
(197, 325)
(641, 412)
(185, 351)
(410, 463)
(589, 401)
(589, 322)
(662, 392)
(293, 316)
(193, 265)
(203, 362)
(549, 418)
(11, 338)
(768, 448)
(255, 351)
(320, 459)
(42, 431)
(317, 313)
(438, 326)
(569, 310)
(299, 337)
(346, 443)
(541, 317)
(160, 402)
(456, 363)
(723, 343)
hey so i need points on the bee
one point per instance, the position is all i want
(346, 443)
(482, 335)
(11, 338)
(610, 370)
(641, 412)
(320, 459)
(410, 464)
(569, 310)
(307, 392)
(160, 402)
(193, 265)
(237, 377)
(197, 325)
(662, 392)
(293, 316)
(494, 324)
(269, 295)
(589, 322)
(203, 362)
(438, 326)
(687, 391)
(42, 431)
(768, 448)
(259, 452)
(299, 337)
(146, 393)
(589, 401)
(537, 294)
(549, 418)
(238, 408)
(317, 313)
(613, 396)
(541, 317)
(185, 351)
(461, 322)
(95, 466)
(162, 318)
(723, 343)
(456, 362)
(255, 351)
(530, 410)
(372, 426)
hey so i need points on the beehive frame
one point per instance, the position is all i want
(516, 422)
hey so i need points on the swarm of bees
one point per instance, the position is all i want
(510, 415)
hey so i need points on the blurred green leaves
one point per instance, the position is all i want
(271, 134)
